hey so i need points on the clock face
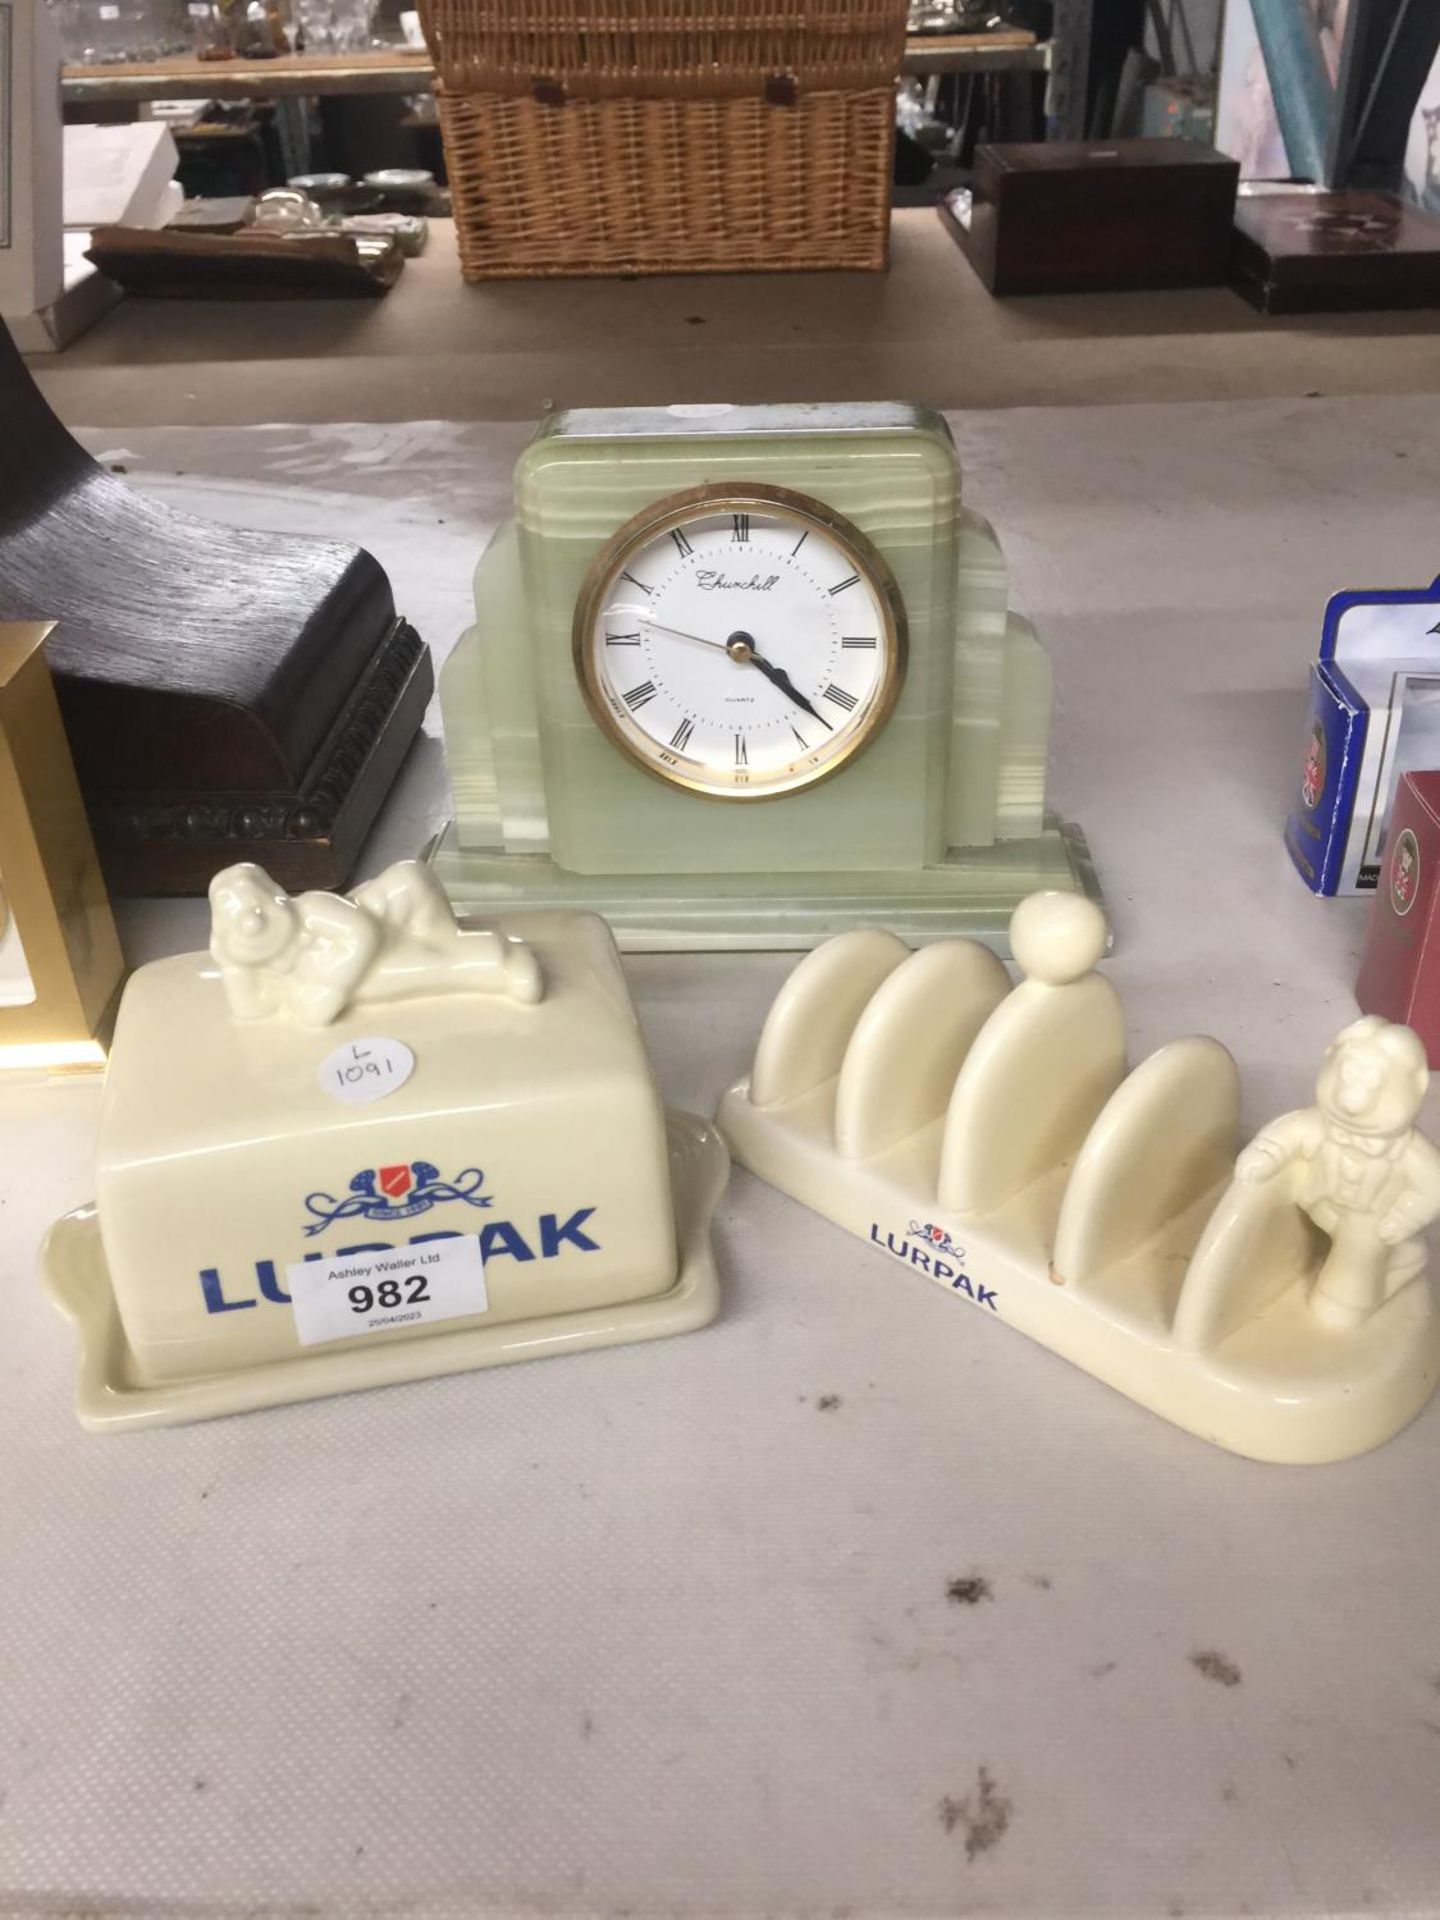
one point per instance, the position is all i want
(740, 641)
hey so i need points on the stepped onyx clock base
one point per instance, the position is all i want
(973, 893)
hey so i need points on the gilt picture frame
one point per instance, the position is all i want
(61, 966)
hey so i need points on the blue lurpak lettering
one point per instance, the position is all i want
(937, 1268)
(552, 1237)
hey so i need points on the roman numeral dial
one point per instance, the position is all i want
(740, 643)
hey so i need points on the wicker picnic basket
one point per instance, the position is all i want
(655, 136)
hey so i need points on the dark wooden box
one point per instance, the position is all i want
(1088, 216)
(1307, 252)
(228, 694)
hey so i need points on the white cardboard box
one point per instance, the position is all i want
(32, 267)
(120, 176)
(87, 295)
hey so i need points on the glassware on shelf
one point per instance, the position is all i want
(335, 26)
(100, 32)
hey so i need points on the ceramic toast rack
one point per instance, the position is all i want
(359, 1142)
(988, 1137)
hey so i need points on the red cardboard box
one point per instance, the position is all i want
(1400, 974)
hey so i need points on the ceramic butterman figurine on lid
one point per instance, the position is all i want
(392, 939)
(360, 1142)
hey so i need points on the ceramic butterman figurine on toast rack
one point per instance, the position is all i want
(989, 1137)
(319, 953)
(1355, 1164)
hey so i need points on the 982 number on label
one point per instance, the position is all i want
(378, 1291)
(389, 1294)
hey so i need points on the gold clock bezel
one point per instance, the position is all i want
(672, 511)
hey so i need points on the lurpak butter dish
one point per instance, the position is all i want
(359, 1143)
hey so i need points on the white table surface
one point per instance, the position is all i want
(668, 1628)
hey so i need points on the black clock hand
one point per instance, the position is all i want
(741, 649)
(778, 677)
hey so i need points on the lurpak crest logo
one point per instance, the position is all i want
(395, 1193)
(922, 1246)
(935, 1237)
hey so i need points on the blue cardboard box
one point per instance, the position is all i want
(1374, 714)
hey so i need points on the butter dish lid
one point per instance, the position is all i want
(306, 1015)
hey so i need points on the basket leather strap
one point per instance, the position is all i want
(778, 90)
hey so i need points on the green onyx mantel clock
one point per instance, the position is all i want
(745, 677)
